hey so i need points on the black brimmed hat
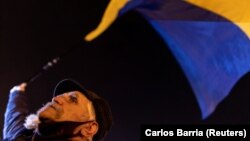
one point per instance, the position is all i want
(101, 106)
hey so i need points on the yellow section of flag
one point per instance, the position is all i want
(237, 11)
(110, 15)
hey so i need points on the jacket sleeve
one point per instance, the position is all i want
(15, 114)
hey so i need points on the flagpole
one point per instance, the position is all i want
(50, 64)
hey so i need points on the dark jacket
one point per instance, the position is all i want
(16, 111)
(15, 114)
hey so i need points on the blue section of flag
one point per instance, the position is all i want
(213, 52)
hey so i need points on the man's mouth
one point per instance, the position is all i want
(51, 105)
(54, 106)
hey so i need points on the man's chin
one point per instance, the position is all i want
(45, 117)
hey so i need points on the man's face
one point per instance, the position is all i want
(70, 106)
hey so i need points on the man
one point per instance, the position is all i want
(74, 114)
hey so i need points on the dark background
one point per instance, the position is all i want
(128, 64)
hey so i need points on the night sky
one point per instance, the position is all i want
(128, 64)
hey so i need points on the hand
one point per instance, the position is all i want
(20, 88)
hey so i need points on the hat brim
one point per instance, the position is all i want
(68, 85)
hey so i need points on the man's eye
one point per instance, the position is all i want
(73, 99)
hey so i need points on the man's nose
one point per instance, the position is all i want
(58, 99)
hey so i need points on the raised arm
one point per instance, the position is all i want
(16, 112)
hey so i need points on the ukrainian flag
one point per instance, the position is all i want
(209, 39)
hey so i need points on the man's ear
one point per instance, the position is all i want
(90, 129)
